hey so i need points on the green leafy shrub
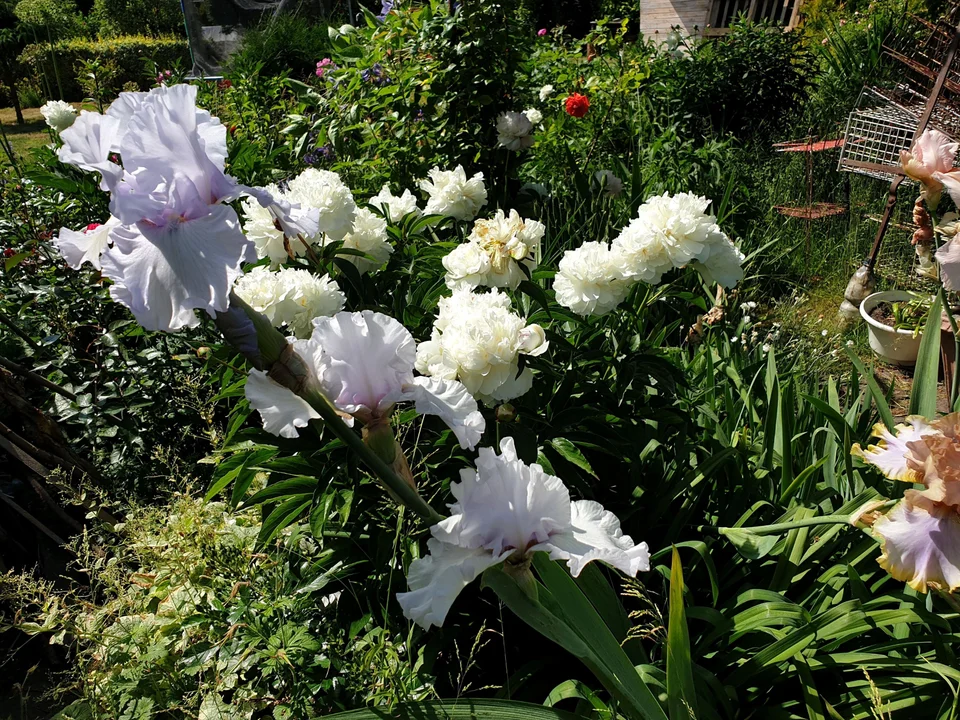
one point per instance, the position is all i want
(287, 43)
(126, 53)
(185, 616)
(423, 88)
(748, 83)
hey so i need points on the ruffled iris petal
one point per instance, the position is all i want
(890, 455)
(594, 534)
(362, 359)
(451, 401)
(437, 579)
(921, 543)
(162, 274)
(281, 410)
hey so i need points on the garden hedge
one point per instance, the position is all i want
(126, 53)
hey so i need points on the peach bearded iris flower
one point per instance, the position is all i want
(920, 536)
(931, 158)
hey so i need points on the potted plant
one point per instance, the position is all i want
(895, 320)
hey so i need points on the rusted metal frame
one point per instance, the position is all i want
(921, 126)
(876, 167)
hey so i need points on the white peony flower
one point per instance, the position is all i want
(452, 195)
(261, 289)
(363, 364)
(673, 232)
(723, 265)
(177, 246)
(477, 340)
(681, 225)
(291, 297)
(514, 131)
(58, 114)
(307, 298)
(590, 280)
(396, 207)
(505, 511)
(534, 116)
(85, 246)
(467, 265)
(499, 246)
(611, 185)
(325, 191)
(545, 92)
(368, 235)
(644, 256)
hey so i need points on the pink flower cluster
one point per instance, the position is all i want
(324, 65)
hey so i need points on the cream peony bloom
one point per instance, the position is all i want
(514, 131)
(591, 280)
(673, 232)
(545, 92)
(477, 340)
(920, 537)
(396, 207)
(505, 511)
(318, 191)
(291, 297)
(723, 264)
(368, 235)
(58, 114)
(363, 364)
(644, 256)
(325, 191)
(494, 252)
(931, 155)
(451, 194)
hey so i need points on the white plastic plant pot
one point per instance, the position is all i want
(899, 347)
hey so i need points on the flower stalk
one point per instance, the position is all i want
(287, 368)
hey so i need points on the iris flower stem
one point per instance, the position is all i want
(272, 345)
(956, 344)
(784, 526)
(406, 494)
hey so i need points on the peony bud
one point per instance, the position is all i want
(506, 413)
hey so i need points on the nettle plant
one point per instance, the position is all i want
(467, 284)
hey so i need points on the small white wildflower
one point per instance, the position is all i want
(766, 348)
(823, 333)
(849, 343)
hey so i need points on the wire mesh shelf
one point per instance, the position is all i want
(876, 133)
